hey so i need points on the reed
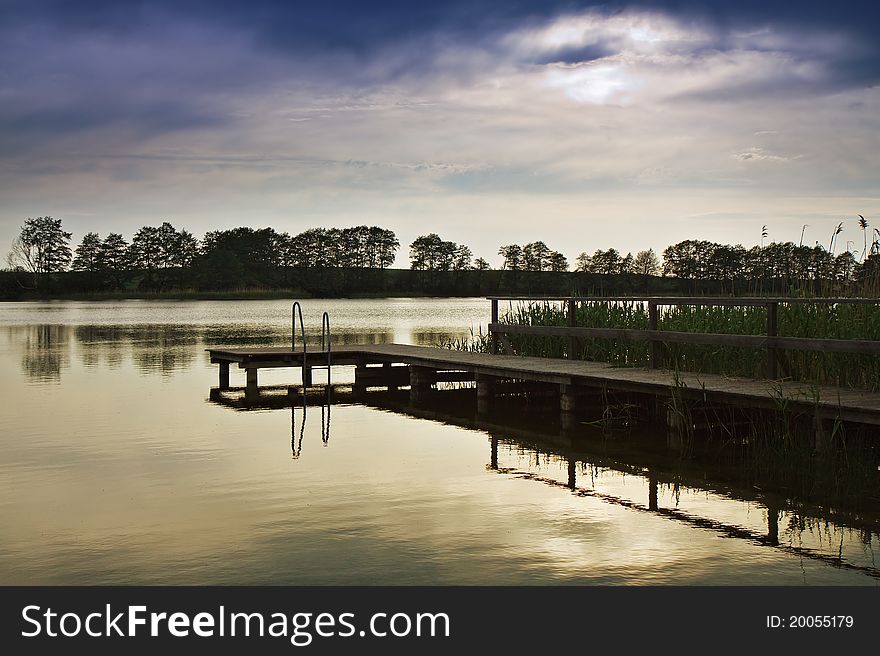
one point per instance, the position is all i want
(794, 320)
(475, 342)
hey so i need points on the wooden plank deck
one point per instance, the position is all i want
(850, 405)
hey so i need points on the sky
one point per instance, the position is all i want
(586, 125)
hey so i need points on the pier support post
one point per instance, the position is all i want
(389, 376)
(485, 393)
(224, 375)
(676, 429)
(307, 376)
(360, 378)
(773, 512)
(569, 422)
(251, 392)
(824, 429)
(652, 491)
(420, 381)
(568, 403)
(567, 398)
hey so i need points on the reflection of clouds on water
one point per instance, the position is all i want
(45, 351)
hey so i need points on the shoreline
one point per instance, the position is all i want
(224, 296)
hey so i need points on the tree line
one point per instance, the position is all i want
(236, 257)
(162, 257)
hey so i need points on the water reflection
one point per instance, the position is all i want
(101, 346)
(45, 351)
(151, 348)
(296, 438)
(839, 539)
(136, 480)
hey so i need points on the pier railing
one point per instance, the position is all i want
(771, 341)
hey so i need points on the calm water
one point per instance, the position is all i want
(118, 468)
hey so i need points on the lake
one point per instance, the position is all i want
(118, 467)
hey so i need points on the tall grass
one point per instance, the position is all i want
(794, 320)
(474, 343)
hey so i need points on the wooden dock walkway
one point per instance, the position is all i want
(420, 367)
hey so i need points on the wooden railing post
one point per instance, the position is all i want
(653, 344)
(493, 340)
(772, 351)
(572, 323)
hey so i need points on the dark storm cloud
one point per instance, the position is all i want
(358, 42)
(166, 65)
(362, 28)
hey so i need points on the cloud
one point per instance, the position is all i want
(758, 154)
(298, 112)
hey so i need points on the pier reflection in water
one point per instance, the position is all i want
(538, 442)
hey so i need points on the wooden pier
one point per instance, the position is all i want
(420, 368)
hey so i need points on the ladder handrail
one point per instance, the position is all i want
(296, 310)
(293, 312)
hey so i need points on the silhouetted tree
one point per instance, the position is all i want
(145, 251)
(383, 245)
(114, 252)
(156, 249)
(536, 256)
(583, 263)
(844, 267)
(257, 247)
(461, 259)
(113, 258)
(604, 262)
(87, 256)
(646, 263)
(184, 250)
(430, 253)
(868, 275)
(42, 246)
(513, 257)
(558, 262)
(725, 263)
